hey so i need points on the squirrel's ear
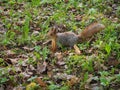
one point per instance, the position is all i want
(54, 30)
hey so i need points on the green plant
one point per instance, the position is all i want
(25, 30)
(85, 78)
(75, 60)
(32, 61)
(41, 52)
(87, 65)
(37, 48)
(47, 2)
(45, 52)
(32, 86)
(32, 78)
(4, 75)
(53, 87)
(104, 80)
(108, 49)
(2, 63)
(9, 38)
(35, 2)
(117, 78)
(118, 11)
(92, 11)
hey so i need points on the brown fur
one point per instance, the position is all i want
(91, 30)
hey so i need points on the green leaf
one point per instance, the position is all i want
(108, 49)
(53, 87)
(3, 80)
(85, 76)
(32, 78)
(104, 81)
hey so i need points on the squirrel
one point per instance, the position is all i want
(70, 38)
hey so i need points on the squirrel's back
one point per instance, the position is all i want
(67, 38)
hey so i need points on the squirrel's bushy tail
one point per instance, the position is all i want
(91, 30)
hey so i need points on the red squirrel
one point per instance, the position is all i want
(70, 38)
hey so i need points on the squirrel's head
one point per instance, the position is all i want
(52, 32)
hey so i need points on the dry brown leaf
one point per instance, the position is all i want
(25, 75)
(2, 87)
(77, 51)
(59, 55)
(9, 87)
(40, 82)
(73, 81)
(47, 42)
(41, 68)
(99, 66)
(19, 88)
(60, 63)
(9, 52)
(27, 48)
(50, 73)
(66, 1)
(78, 18)
(64, 76)
(112, 61)
(38, 29)
(35, 33)
(13, 61)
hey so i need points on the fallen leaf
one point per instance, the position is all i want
(9, 87)
(37, 29)
(27, 48)
(73, 80)
(64, 76)
(41, 68)
(77, 51)
(66, 1)
(40, 82)
(50, 73)
(35, 33)
(13, 61)
(47, 42)
(112, 61)
(2, 87)
(18, 69)
(9, 52)
(99, 66)
(60, 27)
(60, 63)
(78, 18)
(25, 75)
(19, 88)
(59, 57)
(95, 86)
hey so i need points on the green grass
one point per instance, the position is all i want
(22, 18)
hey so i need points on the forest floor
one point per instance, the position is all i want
(26, 60)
